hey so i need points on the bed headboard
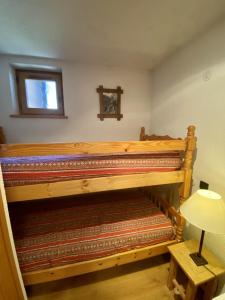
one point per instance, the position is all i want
(153, 137)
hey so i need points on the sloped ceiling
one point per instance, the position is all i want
(139, 33)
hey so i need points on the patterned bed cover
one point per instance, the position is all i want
(55, 233)
(41, 169)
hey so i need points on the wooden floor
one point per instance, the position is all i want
(145, 280)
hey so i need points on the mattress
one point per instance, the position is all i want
(54, 233)
(42, 169)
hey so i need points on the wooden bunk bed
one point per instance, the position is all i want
(27, 193)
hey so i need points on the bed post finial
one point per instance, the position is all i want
(191, 142)
(2, 136)
(188, 163)
(142, 134)
(191, 131)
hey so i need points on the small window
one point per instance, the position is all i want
(40, 93)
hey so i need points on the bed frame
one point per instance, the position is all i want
(2, 136)
(182, 177)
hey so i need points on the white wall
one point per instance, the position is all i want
(81, 104)
(190, 89)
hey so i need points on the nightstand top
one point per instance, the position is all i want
(197, 274)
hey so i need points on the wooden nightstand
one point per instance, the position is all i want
(198, 277)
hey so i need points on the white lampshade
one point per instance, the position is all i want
(206, 210)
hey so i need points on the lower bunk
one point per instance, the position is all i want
(82, 234)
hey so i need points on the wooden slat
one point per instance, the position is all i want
(8, 150)
(83, 186)
(95, 265)
(11, 285)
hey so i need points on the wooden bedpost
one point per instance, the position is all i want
(11, 284)
(188, 164)
(142, 134)
(2, 136)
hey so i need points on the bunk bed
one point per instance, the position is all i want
(41, 184)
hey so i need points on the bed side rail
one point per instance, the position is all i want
(9, 150)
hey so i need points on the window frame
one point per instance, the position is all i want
(24, 110)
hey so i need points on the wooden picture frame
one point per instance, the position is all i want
(110, 103)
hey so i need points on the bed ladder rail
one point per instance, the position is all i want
(177, 220)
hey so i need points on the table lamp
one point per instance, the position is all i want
(204, 209)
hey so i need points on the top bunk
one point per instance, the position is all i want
(40, 171)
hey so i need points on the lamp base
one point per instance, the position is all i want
(199, 260)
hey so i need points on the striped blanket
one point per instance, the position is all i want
(55, 233)
(42, 169)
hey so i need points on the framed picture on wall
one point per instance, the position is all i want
(110, 103)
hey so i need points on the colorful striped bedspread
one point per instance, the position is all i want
(55, 233)
(42, 169)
